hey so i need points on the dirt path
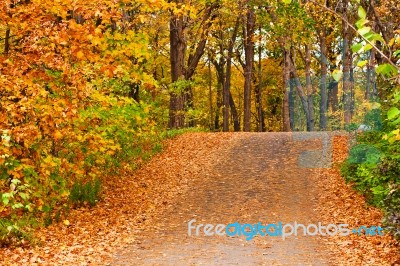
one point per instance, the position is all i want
(218, 178)
(267, 178)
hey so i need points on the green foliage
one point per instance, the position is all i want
(373, 167)
(351, 127)
(392, 209)
(180, 86)
(85, 192)
(373, 119)
(364, 154)
(15, 232)
(361, 169)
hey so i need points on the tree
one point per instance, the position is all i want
(248, 38)
(182, 70)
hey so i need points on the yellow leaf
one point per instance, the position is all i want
(80, 55)
(66, 222)
(57, 135)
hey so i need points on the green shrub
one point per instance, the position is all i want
(373, 167)
(391, 206)
(85, 192)
(362, 170)
(364, 154)
(16, 230)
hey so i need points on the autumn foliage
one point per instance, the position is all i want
(67, 69)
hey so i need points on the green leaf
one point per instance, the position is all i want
(368, 47)
(23, 195)
(362, 63)
(337, 75)
(357, 47)
(361, 23)
(15, 181)
(387, 70)
(378, 37)
(378, 190)
(6, 201)
(393, 113)
(395, 122)
(287, 1)
(361, 12)
(364, 30)
(17, 206)
(396, 97)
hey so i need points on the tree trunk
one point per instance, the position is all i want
(333, 91)
(370, 92)
(219, 66)
(235, 115)
(227, 84)
(286, 90)
(210, 94)
(300, 90)
(177, 58)
(219, 105)
(7, 41)
(182, 100)
(347, 64)
(258, 91)
(291, 105)
(323, 107)
(248, 71)
(309, 91)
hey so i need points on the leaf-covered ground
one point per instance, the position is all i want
(339, 202)
(215, 178)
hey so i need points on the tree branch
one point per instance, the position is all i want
(353, 28)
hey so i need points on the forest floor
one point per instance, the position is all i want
(220, 178)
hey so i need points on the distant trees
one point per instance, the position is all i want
(309, 42)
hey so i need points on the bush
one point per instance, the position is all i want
(16, 231)
(82, 193)
(392, 210)
(373, 167)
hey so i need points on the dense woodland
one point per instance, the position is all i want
(88, 88)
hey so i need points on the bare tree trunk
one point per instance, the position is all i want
(210, 93)
(7, 41)
(248, 71)
(177, 58)
(235, 114)
(347, 64)
(286, 90)
(323, 107)
(299, 88)
(309, 91)
(219, 105)
(291, 105)
(219, 66)
(258, 91)
(227, 84)
(333, 95)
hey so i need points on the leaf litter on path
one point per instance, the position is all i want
(132, 201)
